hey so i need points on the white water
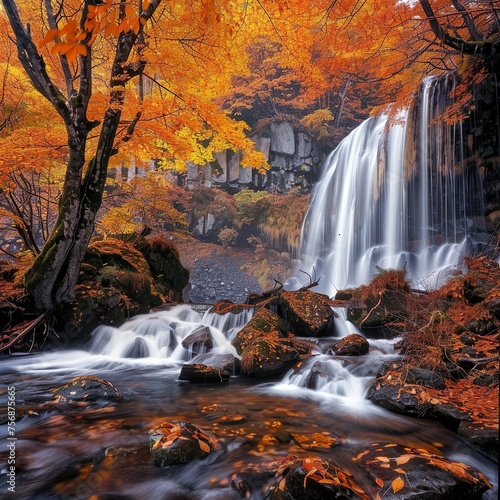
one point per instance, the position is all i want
(159, 335)
(393, 196)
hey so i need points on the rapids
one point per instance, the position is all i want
(102, 451)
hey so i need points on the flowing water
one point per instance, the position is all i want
(102, 452)
(396, 193)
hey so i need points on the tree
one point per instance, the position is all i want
(107, 42)
(469, 28)
(52, 278)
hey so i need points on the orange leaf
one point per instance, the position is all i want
(397, 484)
(204, 446)
(379, 482)
(50, 36)
(403, 459)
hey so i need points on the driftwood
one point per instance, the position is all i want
(256, 298)
(20, 331)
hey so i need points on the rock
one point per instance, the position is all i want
(87, 389)
(351, 345)
(314, 478)
(203, 374)
(263, 322)
(426, 378)
(179, 442)
(381, 301)
(412, 400)
(226, 362)
(282, 138)
(401, 472)
(169, 275)
(309, 313)
(267, 346)
(483, 438)
(200, 341)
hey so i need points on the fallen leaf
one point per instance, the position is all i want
(397, 484)
(204, 446)
(379, 482)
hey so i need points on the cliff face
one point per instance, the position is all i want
(295, 161)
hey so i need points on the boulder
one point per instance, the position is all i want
(401, 472)
(116, 282)
(86, 389)
(263, 322)
(426, 378)
(179, 442)
(169, 275)
(351, 345)
(309, 313)
(314, 478)
(267, 346)
(383, 300)
(200, 341)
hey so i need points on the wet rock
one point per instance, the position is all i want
(426, 378)
(412, 400)
(226, 362)
(481, 437)
(351, 345)
(317, 441)
(401, 472)
(267, 346)
(86, 389)
(199, 342)
(203, 374)
(309, 313)
(179, 442)
(137, 349)
(314, 478)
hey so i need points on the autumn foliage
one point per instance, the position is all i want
(94, 85)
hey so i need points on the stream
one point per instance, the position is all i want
(102, 451)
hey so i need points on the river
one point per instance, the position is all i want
(102, 451)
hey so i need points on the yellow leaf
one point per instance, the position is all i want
(397, 484)
(403, 459)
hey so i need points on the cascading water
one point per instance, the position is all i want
(394, 194)
(160, 335)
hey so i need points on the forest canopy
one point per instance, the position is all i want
(88, 85)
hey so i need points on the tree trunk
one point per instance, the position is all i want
(53, 276)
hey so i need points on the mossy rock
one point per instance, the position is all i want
(309, 313)
(383, 300)
(269, 357)
(169, 275)
(263, 322)
(351, 345)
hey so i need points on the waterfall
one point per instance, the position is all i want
(396, 193)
